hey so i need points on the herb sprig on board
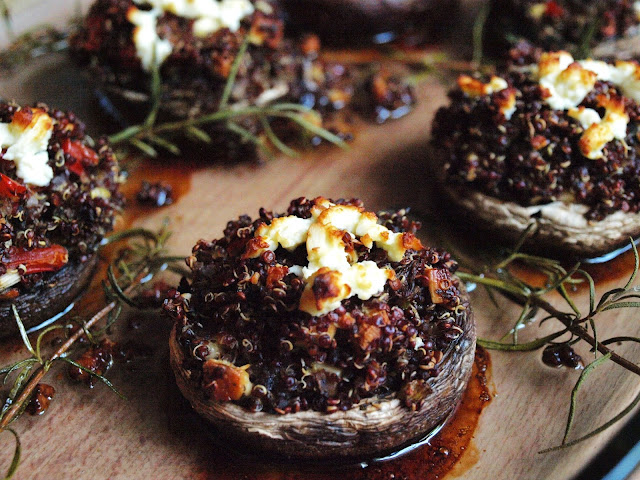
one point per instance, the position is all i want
(574, 325)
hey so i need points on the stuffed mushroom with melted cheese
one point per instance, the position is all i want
(325, 332)
(554, 143)
(58, 197)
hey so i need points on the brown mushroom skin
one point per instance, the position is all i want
(47, 300)
(369, 429)
(506, 221)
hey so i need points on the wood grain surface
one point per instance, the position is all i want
(88, 434)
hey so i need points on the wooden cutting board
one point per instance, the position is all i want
(88, 434)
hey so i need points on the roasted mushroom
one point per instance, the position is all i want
(606, 28)
(58, 198)
(324, 333)
(552, 143)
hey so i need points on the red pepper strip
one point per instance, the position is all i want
(47, 259)
(10, 188)
(81, 155)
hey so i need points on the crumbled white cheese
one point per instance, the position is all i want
(628, 78)
(209, 16)
(600, 131)
(475, 88)
(586, 116)
(288, 232)
(327, 253)
(151, 49)
(566, 81)
(27, 146)
(569, 82)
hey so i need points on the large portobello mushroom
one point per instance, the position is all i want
(324, 333)
(58, 198)
(552, 143)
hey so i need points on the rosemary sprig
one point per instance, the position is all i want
(6, 19)
(578, 326)
(135, 265)
(150, 133)
(478, 33)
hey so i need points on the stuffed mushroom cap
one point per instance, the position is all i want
(325, 332)
(551, 143)
(59, 195)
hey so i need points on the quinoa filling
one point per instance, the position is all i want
(195, 64)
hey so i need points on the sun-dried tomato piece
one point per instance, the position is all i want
(11, 188)
(47, 259)
(80, 154)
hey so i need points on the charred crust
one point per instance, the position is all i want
(47, 298)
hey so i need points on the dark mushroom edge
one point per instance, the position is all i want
(59, 195)
(552, 142)
(271, 348)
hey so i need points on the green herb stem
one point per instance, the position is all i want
(35, 378)
(569, 321)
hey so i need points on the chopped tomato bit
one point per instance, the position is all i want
(47, 259)
(10, 188)
(81, 154)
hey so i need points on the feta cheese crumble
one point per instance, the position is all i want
(26, 140)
